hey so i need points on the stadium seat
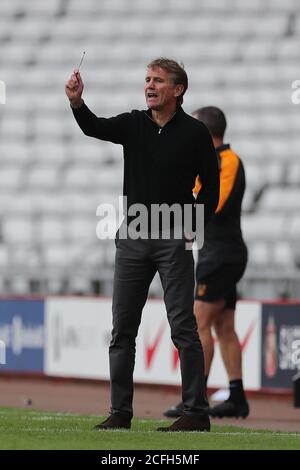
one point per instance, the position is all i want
(293, 174)
(11, 177)
(287, 49)
(259, 254)
(17, 53)
(4, 256)
(14, 127)
(50, 230)
(25, 258)
(43, 176)
(264, 227)
(294, 229)
(283, 254)
(33, 28)
(81, 229)
(81, 176)
(49, 152)
(55, 256)
(20, 203)
(36, 8)
(280, 199)
(8, 8)
(14, 152)
(258, 50)
(17, 230)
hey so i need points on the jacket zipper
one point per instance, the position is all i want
(160, 128)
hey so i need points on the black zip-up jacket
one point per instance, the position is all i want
(160, 164)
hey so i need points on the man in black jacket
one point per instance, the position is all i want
(164, 150)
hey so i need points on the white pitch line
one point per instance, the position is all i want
(45, 417)
(264, 433)
(273, 434)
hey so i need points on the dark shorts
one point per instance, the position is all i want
(221, 284)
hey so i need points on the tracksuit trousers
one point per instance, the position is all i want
(136, 263)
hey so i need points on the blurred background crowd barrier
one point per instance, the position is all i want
(68, 337)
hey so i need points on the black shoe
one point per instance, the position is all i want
(114, 421)
(229, 409)
(174, 411)
(189, 423)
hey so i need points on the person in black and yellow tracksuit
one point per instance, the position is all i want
(221, 264)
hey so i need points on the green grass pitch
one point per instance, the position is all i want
(27, 429)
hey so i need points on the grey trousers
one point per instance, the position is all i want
(136, 264)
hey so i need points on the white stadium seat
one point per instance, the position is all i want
(17, 230)
(43, 176)
(11, 177)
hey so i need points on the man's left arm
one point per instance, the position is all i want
(209, 175)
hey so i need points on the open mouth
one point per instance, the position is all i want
(152, 95)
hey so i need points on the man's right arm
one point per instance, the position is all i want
(112, 129)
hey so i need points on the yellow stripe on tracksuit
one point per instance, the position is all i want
(229, 164)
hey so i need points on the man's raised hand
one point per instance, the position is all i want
(74, 88)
